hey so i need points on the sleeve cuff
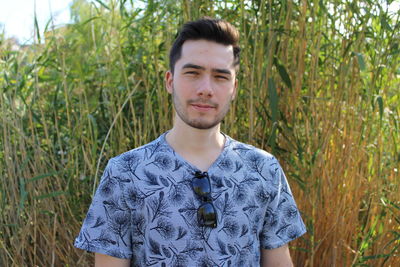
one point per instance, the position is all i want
(110, 252)
(283, 242)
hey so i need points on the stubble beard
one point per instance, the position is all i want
(198, 123)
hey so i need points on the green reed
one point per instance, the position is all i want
(318, 88)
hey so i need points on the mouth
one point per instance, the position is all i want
(202, 107)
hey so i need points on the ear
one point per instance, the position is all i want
(169, 81)
(235, 89)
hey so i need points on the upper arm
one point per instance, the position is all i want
(107, 227)
(278, 257)
(105, 260)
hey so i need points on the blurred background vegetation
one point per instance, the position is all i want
(319, 88)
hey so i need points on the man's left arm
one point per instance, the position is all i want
(277, 257)
(282, 224)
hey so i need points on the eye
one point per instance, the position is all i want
(191, 73)
(220, 77)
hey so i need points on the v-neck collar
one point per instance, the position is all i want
(228, 141)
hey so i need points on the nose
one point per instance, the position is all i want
(205, 88)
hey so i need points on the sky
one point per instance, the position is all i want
(17, 16)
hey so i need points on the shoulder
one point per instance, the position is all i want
(140, 154)
(250, 152)
(256, 161)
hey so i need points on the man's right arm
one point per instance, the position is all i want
(102, 260)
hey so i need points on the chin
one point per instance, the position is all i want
(202, 125)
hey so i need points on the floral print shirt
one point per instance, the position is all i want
(145, 209)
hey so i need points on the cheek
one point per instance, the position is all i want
(225, 93)
(186, 89)
(180, 95)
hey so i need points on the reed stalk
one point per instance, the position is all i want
(318, 88)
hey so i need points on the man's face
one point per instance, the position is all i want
(203, 84)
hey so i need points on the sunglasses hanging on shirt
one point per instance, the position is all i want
(206, 213)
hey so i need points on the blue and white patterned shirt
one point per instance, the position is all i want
(145, 208)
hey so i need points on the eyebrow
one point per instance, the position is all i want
(224, 71)
(194, 66)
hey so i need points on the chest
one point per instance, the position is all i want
(202, 161)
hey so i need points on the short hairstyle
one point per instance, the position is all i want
(217, 30)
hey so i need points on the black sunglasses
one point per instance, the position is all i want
(206, 213)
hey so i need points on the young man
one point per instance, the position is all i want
(194, 196)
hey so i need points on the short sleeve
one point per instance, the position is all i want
(106, 228)
(282, 222)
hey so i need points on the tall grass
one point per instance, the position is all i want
(319, 88)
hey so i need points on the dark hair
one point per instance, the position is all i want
(217, 30)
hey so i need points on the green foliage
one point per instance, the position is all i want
(318, 86)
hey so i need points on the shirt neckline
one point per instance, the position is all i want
(228, 141)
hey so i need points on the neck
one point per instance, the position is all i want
(185, 138)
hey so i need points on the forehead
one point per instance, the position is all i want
(207, 54)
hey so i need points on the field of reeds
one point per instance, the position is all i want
(319, 88)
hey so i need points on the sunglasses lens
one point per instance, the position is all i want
(207, 216)
(202, 187)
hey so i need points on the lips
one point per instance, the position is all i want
(202, 107)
